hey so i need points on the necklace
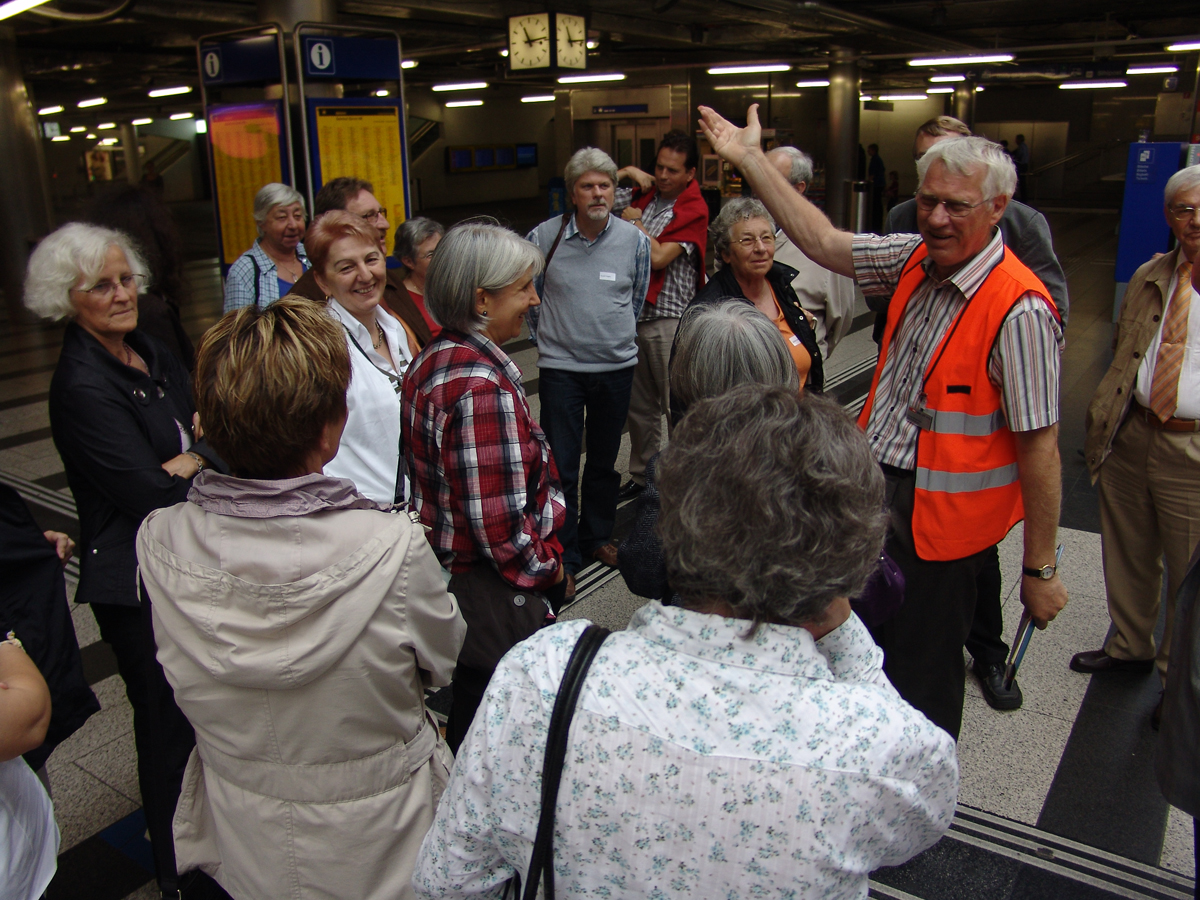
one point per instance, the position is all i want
(375, 345)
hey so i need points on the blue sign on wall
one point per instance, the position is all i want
(253, 59)
(351, 58)
(1144, 229)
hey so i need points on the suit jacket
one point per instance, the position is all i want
(395, 298)
(1145, 299)
(1025, 232)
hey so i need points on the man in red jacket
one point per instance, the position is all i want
(670, 210)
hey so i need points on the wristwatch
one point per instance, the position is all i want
(1045, 572)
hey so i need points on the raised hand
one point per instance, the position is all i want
(729, 141)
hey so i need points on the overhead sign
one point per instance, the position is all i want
(247, 153)
(254, 59)
(318, 57)
(351, 58)
(363, 140)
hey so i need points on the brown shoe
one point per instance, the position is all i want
(569, 593)
(607, 554)
(1093, 661)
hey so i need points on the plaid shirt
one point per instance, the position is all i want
(240, 287)
(483, 477)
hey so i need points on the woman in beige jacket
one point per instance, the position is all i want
(299, 624)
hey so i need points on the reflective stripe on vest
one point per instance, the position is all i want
(966, 482)
(950, 422)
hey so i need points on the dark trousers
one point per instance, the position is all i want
(162, 734)
(599, 400)
(986, 643)
(923, 642)
(467, 689)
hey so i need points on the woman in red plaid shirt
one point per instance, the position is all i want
(483, 477)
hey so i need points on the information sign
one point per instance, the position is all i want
(247, 153)
(365, 141)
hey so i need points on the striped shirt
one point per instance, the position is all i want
(679, 280)
(1024, 362)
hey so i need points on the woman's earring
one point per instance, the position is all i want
(483, 312)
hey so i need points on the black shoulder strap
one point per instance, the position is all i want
(541, 864)
(257, 276)
(549, 256)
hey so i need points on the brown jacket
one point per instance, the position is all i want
(1141, 311)
(395, 298)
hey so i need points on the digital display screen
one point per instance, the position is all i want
(527, 154)
(460, 159)
(485, 157)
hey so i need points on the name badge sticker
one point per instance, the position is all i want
(795, 341)
(608, 276)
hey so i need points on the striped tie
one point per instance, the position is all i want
(1165, 389)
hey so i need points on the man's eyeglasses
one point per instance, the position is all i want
(373, 216)
(767, 240)
(956, 208)
(1183, 213)
(106, 290)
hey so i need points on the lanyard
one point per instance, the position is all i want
(394, 379)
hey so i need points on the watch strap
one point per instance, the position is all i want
(1039, 573)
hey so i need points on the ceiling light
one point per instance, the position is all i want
(1184, 47)
(584, 79)
(864, 97)
(819, 82)
(78, 129)
(1089, 85)
(201, 126)
(776, 96)
(940, 90)
(748, 70)
(1151, 70)
(108, 142)
(104, 126)
(90, 137)
(946, 79)
(171, 91)
(408, 64)
(175, 117)
(141, 121)
(460, 86)
(538, 98)
(504, 53)
(891, 97)
(16, 7)
(979, 88)
(382, 92)
(59, 139)
(741, 87)
(962, 60)
(94, 101)
(456, 104)
(592, 45)
(49, 110)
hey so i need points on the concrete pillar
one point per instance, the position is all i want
(288, 12)
(25, 214)
(133, 159)
(964, 102)
(841, 156)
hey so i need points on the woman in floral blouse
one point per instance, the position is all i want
(744, 744)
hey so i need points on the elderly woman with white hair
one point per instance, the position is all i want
(275, 262)
(122, 419)
(483, 477)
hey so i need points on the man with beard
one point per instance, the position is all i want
(592, 291)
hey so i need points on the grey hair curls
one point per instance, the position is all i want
(71, 256)
(802, 164)
(588, 159)
(740, 209)
(771, 503)
(270, 196)
(963, 155)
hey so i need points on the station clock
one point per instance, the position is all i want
(547, 41)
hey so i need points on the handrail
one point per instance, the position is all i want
(1070, 157)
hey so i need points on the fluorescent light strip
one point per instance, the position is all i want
(864, 97)
(1151, 70)
(178, 117)
(962, 60)
(940, 90)
(587, 79)
(108, 142)
(460, 86)
(776, 96)
(91, 137)
(538, 98)
(891, 97)
(979, 88)
(78, 129)
(748, 70)
(946, 79)
(457, 104)
(94, 101)
(60, 138)
(16, 7)
(592, 45)
(382, 92)
(741, 87)
(171, 91)
(1184, 47)
(141, 121)
(408, 64)
(1090, 85)
(104, 126)
(819, 82)
(49, 110)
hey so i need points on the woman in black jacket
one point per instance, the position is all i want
(122, 419)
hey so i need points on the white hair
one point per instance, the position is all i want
(272, 195)
(802, 164)
(1183, 180)
(589, 159)
(739, 209)
(71, 256)
(963, 156)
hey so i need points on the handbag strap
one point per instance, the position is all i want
(541, 864)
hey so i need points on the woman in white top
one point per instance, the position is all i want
(352, 271)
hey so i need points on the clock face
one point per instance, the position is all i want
(572, 41)
(529, 41)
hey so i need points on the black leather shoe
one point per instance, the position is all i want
(629, 490)
(1156, 716)
(991, 681)
(1092, 661)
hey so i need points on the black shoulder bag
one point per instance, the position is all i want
(541, 863)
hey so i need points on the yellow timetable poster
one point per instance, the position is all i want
(364, 142)
(245, 144)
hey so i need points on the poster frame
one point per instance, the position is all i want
(316, 179)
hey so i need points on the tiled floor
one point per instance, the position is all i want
(1037, 768)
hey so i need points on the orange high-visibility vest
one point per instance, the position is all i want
(968, 494)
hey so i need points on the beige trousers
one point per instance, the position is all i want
(1149, 492)
(650, 398)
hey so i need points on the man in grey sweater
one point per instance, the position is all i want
(597, 273)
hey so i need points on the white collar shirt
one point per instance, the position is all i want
(701, 764)
(369, 454)
(1188, 397)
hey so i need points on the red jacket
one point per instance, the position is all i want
(689, 225)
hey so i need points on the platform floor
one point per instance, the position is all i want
(1058, 799)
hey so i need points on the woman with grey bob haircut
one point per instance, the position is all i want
(740, 209)
(962, 156)
(475, 257)
(788, 533)
(588, 159)
(275, 261)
